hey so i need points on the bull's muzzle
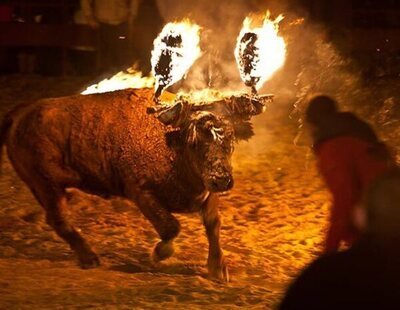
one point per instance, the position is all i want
(221, 183)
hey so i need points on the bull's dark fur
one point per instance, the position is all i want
(108, 144)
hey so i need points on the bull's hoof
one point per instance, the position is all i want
(218, 271)
(89, 261)
(162, 251)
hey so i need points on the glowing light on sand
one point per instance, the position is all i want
(175, 50)
(122, 80)
(260, 50)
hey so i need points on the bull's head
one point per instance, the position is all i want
(209, 138)
(208, 146)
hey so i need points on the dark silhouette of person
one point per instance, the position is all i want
(114, 20)
(350, 157)
(148, 25)
(366, 276)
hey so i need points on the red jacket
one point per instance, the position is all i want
(348, 166)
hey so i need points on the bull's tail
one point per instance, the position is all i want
(4, 128)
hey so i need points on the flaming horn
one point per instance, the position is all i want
(176, 48)
(236, 108)
(247, 54)
(259, 51)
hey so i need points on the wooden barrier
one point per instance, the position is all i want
(63, 36)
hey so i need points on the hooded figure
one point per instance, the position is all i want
(350, 157)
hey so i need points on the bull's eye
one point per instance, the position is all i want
(208, 135)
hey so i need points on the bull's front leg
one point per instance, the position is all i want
(166, 225)
(217, 268)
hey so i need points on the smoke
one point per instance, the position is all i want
(221, 22)
(314, 64)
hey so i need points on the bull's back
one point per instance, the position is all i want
(115, 135)
(103, 137)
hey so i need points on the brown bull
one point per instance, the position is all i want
(108, 144)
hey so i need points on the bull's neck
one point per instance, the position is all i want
(189, 177)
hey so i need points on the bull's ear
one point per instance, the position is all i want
(243, 130)
(171, 115)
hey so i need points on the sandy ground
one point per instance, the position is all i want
(273, 223)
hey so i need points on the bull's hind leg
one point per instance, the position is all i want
(166, 225)
(55, 203)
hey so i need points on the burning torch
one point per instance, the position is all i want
(175, 50)
(259, 51)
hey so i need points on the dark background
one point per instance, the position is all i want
(367, 30)
(40, 36)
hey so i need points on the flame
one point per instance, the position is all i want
(259, 51)
(206, 95)
(175, 50)
(122, 80)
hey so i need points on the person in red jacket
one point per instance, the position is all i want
(350, 157)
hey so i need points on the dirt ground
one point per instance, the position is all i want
(273, 224)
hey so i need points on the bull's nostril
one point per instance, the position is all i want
(223, 182)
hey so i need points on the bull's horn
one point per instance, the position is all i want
(260, 103)
(158, 92)
(170, 115)
(240, 107)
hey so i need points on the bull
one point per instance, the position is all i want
(171, 160)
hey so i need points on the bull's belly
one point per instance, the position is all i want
(186, 203)
(184, 209)
(98, 182)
